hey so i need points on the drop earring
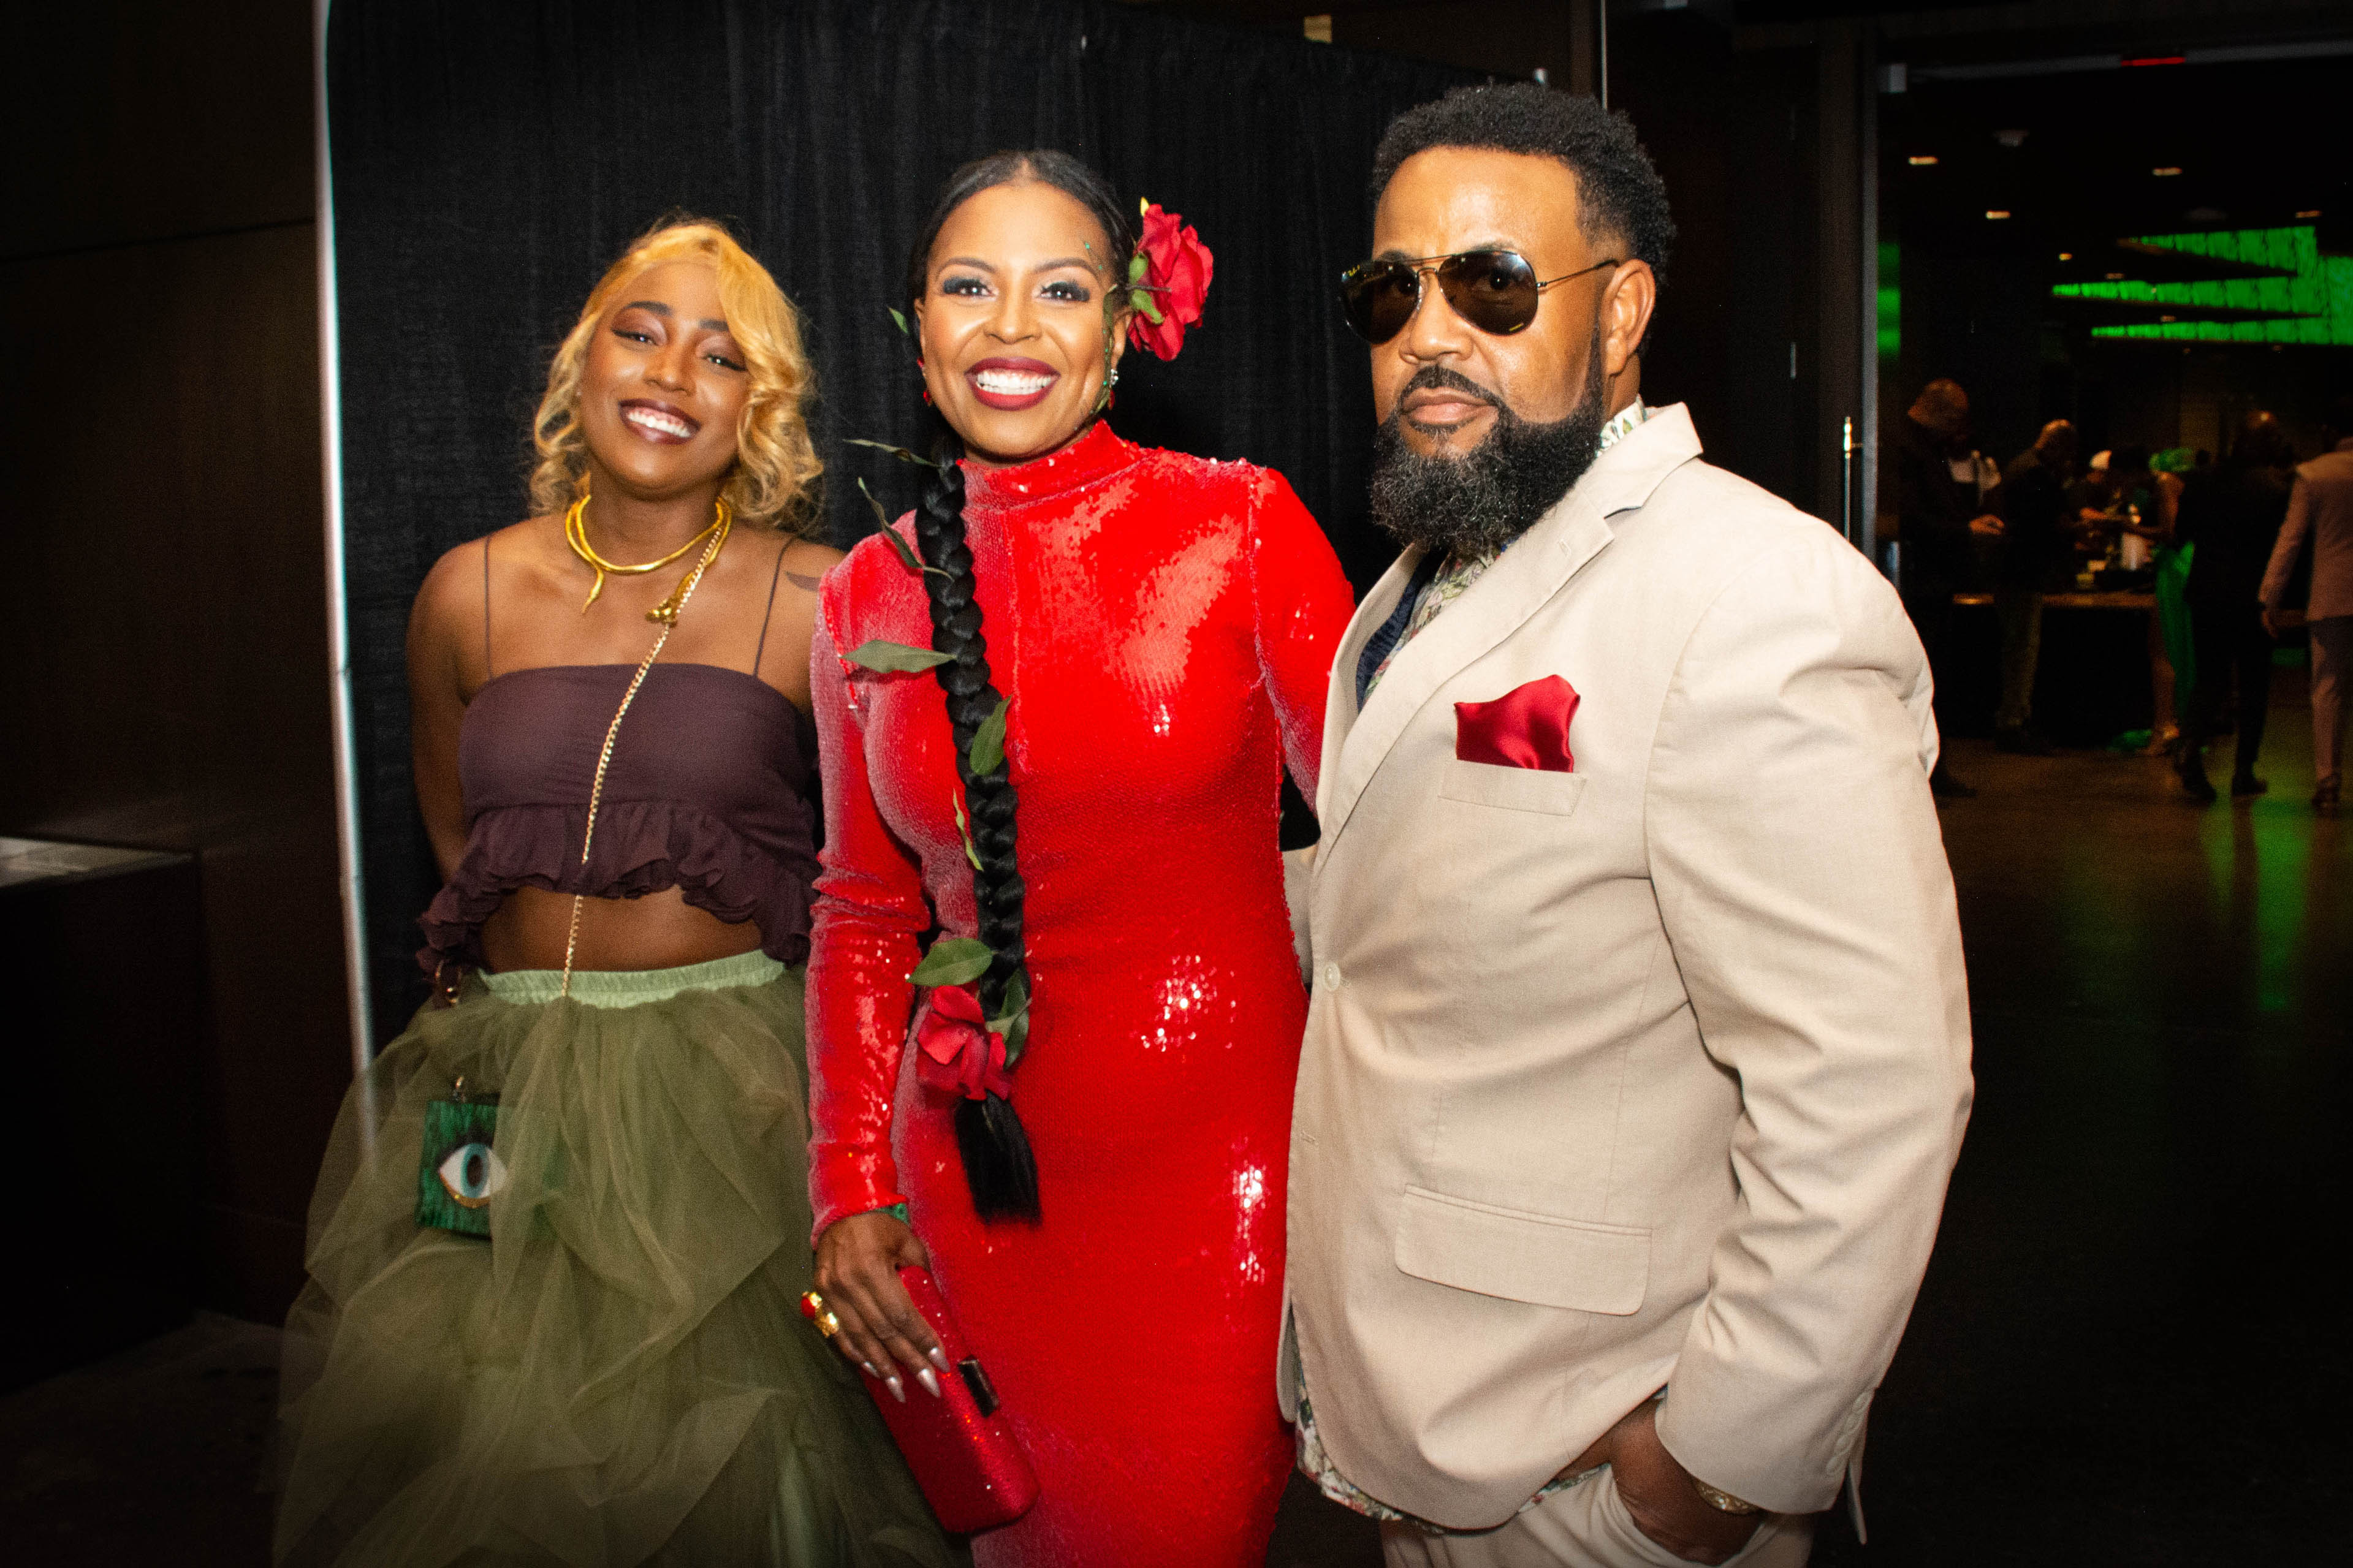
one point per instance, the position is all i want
(927, 385)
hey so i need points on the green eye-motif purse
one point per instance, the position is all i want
(461, 1171)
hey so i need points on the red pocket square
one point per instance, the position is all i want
(1526, 728)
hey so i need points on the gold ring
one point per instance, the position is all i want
(828, 1324)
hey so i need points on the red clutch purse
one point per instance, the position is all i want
(962, 1450)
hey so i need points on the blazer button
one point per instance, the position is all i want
(1330, 977)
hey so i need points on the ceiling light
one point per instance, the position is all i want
(1921, 160)
(2066, 255)
(1996, 214)
(2167, 171)
(2309, 212)
(2115, 277)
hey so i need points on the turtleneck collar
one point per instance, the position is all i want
(1093, 456)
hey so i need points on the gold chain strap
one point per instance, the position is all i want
(665, 614)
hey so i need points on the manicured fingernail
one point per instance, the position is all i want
(931, 1381)
(870, 1369)
(939, 1358)
(898, 1390)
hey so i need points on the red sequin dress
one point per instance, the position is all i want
(1162, 626)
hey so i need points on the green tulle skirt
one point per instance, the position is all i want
(620, 1373)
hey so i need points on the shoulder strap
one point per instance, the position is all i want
(775, 573)
(486, 607)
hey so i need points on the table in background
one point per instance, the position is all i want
(2091, 683)
(101, 966)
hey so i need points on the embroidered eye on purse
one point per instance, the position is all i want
(461, 1171)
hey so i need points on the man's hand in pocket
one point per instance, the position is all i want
(1659, 1495)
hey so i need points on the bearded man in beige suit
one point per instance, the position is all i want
(1638, 1057)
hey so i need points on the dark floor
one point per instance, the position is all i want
(2127, 1351)
(153, 1456)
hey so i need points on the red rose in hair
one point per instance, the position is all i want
(959, 1052)
(1169, 278)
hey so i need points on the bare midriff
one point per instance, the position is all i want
(658, 930)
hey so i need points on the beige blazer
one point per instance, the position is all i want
(2321, 509)
(1649, 1073)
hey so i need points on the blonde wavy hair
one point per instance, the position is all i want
(775, 481)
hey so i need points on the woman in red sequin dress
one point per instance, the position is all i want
(1160, 629)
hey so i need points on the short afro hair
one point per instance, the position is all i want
(1620, 195)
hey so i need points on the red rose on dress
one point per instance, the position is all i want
(959, 1052)
(1175, 280)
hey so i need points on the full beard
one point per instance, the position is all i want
(1481, 500)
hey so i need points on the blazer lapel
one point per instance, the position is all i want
(1340, 702)
(1555, 549)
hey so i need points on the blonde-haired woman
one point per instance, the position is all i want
(558, 1244)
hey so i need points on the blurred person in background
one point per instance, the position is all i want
(2115, 501)
(2320, 509)
(2229, 518)
(2124, 522)
(2037, 553)
(1940, 503)
(2173, 660)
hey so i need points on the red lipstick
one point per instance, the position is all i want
(1011, 384)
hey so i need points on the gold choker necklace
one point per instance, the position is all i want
(575, 534)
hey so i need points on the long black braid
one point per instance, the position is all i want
(998, 1162)
(998, 1165)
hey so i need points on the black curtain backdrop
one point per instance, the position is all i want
(490, 159)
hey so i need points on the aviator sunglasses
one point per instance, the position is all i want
(1495, 290)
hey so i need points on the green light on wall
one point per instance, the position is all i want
(2315, 306)
(1891, 300)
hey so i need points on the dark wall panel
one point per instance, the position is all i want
(164, 674)
(137, 119)
(1511, 41)
(165, 640)
(1733, 135)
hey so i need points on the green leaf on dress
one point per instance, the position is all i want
(895, 657)
(900, 321)
(953, 961)
(989, 742)
(901, 453)
(963, 831)
(900, 547)
(1014, 1022)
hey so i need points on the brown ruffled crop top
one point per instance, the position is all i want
(708, 791)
